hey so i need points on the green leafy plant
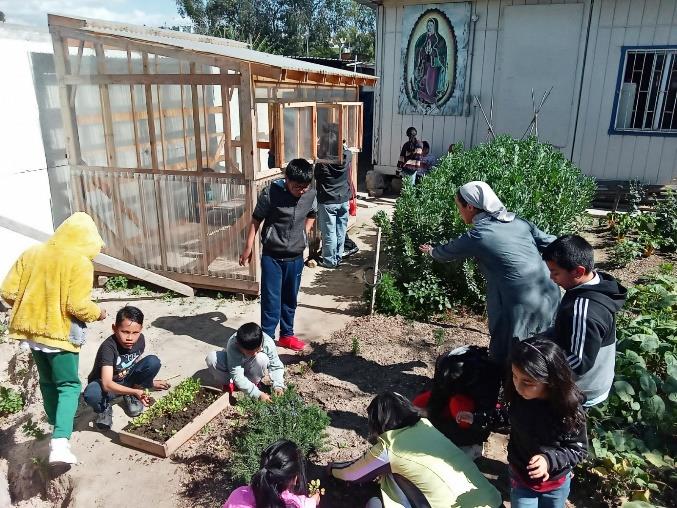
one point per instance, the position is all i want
(285, 417)
(32, 429)
(666, 219)
(140, 290)
(533, 179)
(10, 401)
(117, 283)
(178, 399)
(440, 336)
(355, 347)
(315, 488)
(625, 251)
(632, 434)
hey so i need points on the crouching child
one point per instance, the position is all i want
(248, 355)
(120, 369)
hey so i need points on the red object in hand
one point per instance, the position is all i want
(422, 399)
(459, 403)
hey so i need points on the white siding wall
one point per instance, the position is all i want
(617, 23)
(24, 185)
(614, 23)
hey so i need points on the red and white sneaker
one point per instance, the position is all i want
(291, 342)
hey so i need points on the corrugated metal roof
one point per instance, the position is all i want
(203, 44)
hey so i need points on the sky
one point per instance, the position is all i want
(147, 12)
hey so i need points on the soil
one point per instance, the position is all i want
(166, 425)
(341, 372)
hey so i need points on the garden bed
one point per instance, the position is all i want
(165, 432)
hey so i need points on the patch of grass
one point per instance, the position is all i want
(168, 296)
(10, 401)
(286, 417)
(440, 336)
(117, 283)
(355, 348)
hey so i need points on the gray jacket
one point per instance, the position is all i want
(284, 220)
(236, 359)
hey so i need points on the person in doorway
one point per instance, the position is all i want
(410, 157)
(428, 161)
(521, 298)
(417, 465)
(49, 289)
(333, 193)
(249, 354)
(287, 209)
(120, 369)
(585, 325)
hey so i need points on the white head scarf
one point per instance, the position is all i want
(481, 196)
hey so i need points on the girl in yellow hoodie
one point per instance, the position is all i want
(49, 287)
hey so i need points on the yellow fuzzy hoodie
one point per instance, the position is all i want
(51, 282)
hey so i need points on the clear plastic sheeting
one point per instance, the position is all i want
(186, 224)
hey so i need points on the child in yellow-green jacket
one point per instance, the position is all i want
(49, 289)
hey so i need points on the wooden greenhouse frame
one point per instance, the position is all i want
(168, 136)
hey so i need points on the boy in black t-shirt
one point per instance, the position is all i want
(120, 369)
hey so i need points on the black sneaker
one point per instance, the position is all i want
(132, 406)
(104, 421)
(351, 251)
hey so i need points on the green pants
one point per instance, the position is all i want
(60, 387)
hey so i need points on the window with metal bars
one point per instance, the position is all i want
(646, 92)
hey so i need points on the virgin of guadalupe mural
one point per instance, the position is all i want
(434, 57)
(430, 60)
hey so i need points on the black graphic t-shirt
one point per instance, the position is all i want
(112, 354)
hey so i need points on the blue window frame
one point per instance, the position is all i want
(645, 102)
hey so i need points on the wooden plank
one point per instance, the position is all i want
(235, 178)
(132, 96)
(247, 122)
(76, 71)
(152, 79)
(196, 122)
(150, 116)
(225, 112)
(103, 259)
(61, 66)
(183, 126)
(165, 449)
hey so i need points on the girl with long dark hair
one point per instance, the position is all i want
(280, 483)
(547, 424)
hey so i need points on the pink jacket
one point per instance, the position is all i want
(243, 497)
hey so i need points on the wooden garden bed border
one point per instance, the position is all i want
(165, 449)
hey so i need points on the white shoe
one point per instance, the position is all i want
(60, 452)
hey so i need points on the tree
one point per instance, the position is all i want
(288, 27)
(2, 17)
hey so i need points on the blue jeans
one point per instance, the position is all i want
(408, 175)
(527, 498)
(333, 224)
(280, 283)
(141, 374)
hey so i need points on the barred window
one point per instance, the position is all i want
(646, 95)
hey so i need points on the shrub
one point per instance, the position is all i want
(533, 179)
(286, 417)
(632, 434)
(666, 220)
(10, 401)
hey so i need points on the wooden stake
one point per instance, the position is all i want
(375, 281)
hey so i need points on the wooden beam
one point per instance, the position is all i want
(105, 108)
(163, 141)
(150, 116)
(183, 122)
(225, 112)
(152, 79)
(247, 122)
(132, 97)
(196, 122)
(237, 178)
(74, 89)
(109, 262)
(68, 117)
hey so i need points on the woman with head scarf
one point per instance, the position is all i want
(521, 298)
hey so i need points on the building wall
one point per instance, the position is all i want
(578, 119)
(24, 182)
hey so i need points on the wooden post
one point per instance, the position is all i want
(161, 114)
(225, 107)
(196, 121)
(61, 66)
(132, 98)
(200, 183)
(150, 116)
(183, 121)
(375, 280)
(105, 108)
(247, 122)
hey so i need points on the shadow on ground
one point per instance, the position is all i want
(207, 327)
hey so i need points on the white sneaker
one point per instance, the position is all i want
(60, 452)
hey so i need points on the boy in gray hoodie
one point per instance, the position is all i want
(248, 355)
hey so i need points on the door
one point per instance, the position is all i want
(538, 47)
